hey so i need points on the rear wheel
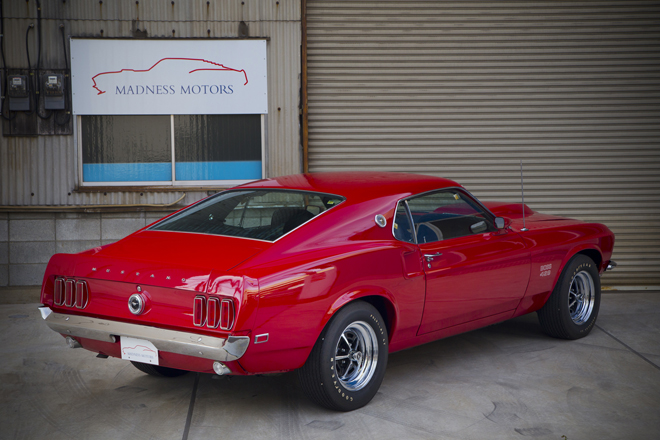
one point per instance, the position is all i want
(571, 310)
(347, 364)
(157, 370)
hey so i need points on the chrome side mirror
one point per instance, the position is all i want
(478, 227)
(499, 223)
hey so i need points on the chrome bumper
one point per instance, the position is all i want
(611, 265)
(189, 344)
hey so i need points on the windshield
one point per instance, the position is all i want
(262, 214)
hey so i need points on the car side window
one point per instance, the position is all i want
(403, 230)
(447, 214)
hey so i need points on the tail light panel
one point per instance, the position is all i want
(214, 312)
(71, 293)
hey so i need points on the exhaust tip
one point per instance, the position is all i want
(220, 368)
(72, 343)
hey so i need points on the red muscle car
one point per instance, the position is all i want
(325, 273)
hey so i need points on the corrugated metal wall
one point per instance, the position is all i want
(467, 89)
(44, 170)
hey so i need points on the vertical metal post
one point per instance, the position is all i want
(305, 109)
(173, 179)
(522, 190)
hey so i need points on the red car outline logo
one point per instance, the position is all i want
(220, 67)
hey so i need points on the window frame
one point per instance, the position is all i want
(488, 215)
(165, 183)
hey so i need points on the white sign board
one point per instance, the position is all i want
(163, 77)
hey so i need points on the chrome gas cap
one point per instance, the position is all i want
(136, 303)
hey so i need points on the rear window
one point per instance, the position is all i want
(262, 214)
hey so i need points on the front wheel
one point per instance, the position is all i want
(347, 364)
(571, 310)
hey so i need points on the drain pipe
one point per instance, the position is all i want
(305, 108)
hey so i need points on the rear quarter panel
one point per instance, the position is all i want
(296, 303)
(311, 273)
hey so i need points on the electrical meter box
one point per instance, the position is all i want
(53, 87)
(18, 93)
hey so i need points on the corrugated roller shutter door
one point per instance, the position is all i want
(466, 90)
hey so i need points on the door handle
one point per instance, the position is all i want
(430, 257)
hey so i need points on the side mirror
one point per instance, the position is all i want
(499, 223)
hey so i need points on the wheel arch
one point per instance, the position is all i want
(587, 250)
(380, 299)
(595, 255)
(386, 310)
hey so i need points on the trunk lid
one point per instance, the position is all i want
(166, 259)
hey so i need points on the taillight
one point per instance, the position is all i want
(69, 286)
(199, 311)
(71, 293)
(214, 312)
(59, 291)
(82, 294)
(227, 314)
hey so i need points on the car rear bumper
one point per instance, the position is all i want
(189, 344)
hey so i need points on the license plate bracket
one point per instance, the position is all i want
(138, 350)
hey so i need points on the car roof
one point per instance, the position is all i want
(357, 184)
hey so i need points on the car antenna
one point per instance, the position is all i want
(522, 191)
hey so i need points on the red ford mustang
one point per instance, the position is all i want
(326, 274)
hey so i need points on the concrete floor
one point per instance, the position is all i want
(506, 381)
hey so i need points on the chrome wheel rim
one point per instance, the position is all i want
(356, 355)
(581, 297)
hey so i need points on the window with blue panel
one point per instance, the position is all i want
(217, 147)
(139, 148)
(126, 148)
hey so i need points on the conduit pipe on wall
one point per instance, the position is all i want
(64, 208)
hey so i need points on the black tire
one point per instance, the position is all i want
(349, 383)
(157, 370)
(572, 308)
